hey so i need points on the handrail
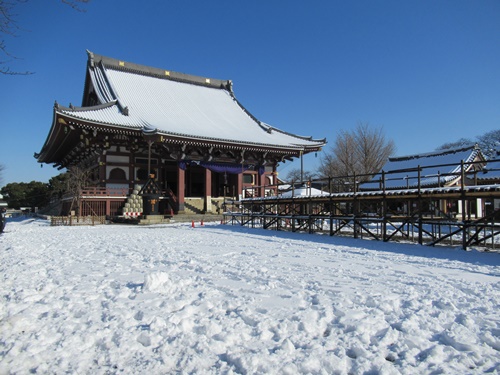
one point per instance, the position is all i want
(100, 191)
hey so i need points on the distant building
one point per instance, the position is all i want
(438, 169)
(189, 131)
(434, 169)
(490, 175)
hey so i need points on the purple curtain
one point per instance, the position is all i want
(231, 168)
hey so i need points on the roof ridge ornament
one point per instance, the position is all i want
(229, 86)
(91, 58)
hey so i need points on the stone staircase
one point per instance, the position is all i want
(194, 206)
(194, 212)
(153, 219)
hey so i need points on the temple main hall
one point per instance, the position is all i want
(190, 133)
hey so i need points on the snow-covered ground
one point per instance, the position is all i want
(222, 299)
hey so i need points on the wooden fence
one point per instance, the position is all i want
(77, 220)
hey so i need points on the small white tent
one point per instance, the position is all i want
(303, 191)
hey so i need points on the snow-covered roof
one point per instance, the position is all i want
(437, 168)
(378, 194)
(168, 103)
(491, 171)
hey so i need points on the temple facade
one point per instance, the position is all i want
(189, 132)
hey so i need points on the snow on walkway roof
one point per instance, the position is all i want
(303, 191)
(169, 103)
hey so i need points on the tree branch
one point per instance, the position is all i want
(75, 4)
(9, 26)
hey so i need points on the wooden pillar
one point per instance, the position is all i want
(102, 170)
(181, 185)
(131, 170)
(208, 190)
(261, 180)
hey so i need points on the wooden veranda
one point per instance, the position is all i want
(457, 215)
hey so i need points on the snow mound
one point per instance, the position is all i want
(157, 282)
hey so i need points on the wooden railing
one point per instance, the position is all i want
(105, 191)
(101, 192)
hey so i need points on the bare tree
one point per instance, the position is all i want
(296, 175)
(372, 148)
(489, 143)
(360, 152)
(460, 143)
(77, 180)
(10, 27)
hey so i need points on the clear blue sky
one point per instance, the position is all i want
(427, 71)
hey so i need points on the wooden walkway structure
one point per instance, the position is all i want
(414, 214)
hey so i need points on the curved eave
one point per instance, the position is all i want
(269, 128)
(229, 143)
(103, 126)
(55, 141)
(74, 119)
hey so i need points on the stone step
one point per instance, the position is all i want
(182, 218)
(153, 219)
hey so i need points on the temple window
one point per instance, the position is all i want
(249, 179)
(117, 174)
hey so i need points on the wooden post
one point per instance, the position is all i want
(355, 209)
(464, 205)
(149, 157)
(261, 180)
(419, 208)
(239, 187)
(331, 205)
(384, 209)
(181, 185)
(208, 190)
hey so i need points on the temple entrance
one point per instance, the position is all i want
(195, 181)
(170, 180)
